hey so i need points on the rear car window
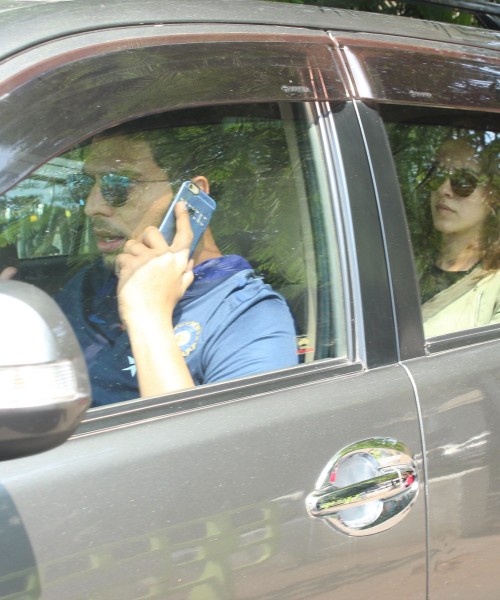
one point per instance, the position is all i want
(450, 181)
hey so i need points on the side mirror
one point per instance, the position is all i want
(44, 384)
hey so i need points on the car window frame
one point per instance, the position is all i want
(39, 68)
(371, 344)
(401, 263)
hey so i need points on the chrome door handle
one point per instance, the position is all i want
(328, 501)
(366, 488)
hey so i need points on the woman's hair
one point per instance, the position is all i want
(488, 157)
(489, 161)
(427, 240)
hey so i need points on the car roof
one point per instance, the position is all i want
(28, 23)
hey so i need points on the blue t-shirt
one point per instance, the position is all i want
(228, 324)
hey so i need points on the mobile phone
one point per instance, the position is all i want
(200, 207)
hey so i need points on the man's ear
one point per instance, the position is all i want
(202, 182)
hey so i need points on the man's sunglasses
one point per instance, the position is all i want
(463, 182)
(114, 187)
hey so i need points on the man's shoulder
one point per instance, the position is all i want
(225, 293)
(229, 276)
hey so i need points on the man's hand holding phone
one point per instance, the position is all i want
(152, 277)
(152, 274)
(155, 271)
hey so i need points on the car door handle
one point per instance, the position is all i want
(329, 501)
(366, 488)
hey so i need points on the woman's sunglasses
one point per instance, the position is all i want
(114, 187)
(463, 182)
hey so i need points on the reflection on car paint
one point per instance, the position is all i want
(15, 551)
(192, 561)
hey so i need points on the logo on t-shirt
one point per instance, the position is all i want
(187, 335)
(131, 366)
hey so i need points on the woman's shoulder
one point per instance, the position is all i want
(487, 278)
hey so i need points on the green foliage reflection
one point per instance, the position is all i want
(243, 152)
(395, 7)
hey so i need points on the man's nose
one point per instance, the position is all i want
(96, 204)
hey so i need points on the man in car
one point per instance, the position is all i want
(150, 320)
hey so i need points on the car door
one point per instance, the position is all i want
(209, 493)
(455, 373)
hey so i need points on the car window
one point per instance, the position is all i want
(264, 167)
(448, 170)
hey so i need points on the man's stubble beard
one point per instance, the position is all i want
(109, 259)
